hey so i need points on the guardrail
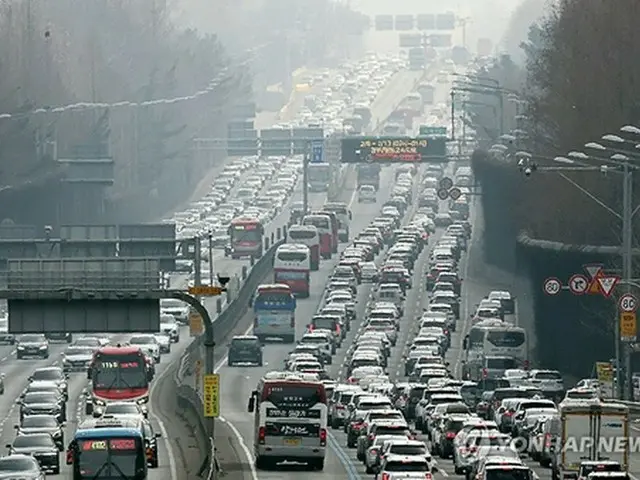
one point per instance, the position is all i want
(187, 380)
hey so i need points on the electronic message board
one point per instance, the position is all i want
(393, 149)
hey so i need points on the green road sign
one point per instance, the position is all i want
(427, 131)
(393, 149)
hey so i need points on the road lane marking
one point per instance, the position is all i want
(165, 434)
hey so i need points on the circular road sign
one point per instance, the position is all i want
(552, 286)
(443, 194)
(628, 303)
(455, 193)
(578, 284)
(446, 183)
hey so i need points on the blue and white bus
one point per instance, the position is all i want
(290, 420)
(274, 307)
(108, 454)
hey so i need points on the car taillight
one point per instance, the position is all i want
(547, 440)
(451, 435)
(374, 451)
(473, 449)
(526, 364)
(428, 476)
(339, 406)
(262, 435)
(485, 373)
(372, 438)
(323, 437)
(508, 413)
(69, 457)
(310, 326)
(386, 476)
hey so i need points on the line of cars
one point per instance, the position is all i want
(397, 449)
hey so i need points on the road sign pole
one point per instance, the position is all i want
(305, 178)
(627, 259)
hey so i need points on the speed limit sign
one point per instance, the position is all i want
(552, 286)
(628, 303)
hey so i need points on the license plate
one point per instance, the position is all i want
(294, 442)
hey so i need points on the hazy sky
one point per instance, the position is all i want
(485, 18)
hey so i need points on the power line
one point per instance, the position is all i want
(213, 85)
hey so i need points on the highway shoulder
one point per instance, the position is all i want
(180, 429)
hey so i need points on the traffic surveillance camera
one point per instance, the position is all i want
(223, 280)
(604, 169)
(528, 171)
(48, 229)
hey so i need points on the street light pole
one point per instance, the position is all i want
(622, 161)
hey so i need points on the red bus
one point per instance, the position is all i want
(118, 374)
(322, 222)
(246, 237)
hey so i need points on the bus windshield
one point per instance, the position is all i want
(119, 371)
(292, 256)
(249, 233)
(302, 234)
(505, 339)
(319, 173)
(319, 221)
(109, 458)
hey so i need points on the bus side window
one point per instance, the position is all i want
(465, 343)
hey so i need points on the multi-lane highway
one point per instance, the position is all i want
(235, 382)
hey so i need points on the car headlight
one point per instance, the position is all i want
(43, 347)
(20, 347)
(99, 402)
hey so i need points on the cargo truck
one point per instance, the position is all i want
(590, 431)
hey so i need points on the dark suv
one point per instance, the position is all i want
(245, 349)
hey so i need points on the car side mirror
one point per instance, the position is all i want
(158, 435)
(8, 445)
(252, 404)
(16, 427)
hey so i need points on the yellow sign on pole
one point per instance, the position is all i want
(628, 326)
(196, 325)
(212, 395)
(206, 290)
(604, 371)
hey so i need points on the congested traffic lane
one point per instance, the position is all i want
(238, 382)
(384, 104)
(416, 299)
(17, 373)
